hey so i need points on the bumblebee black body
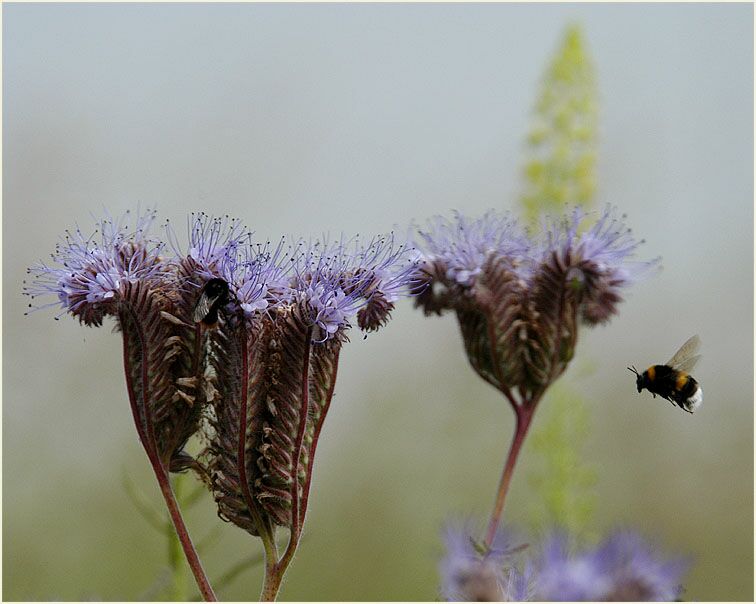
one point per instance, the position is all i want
(675, 386)
(213, 297)
(672, 381)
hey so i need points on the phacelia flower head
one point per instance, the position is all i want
(338, 282)
(468, 573)
(459, 249)
(212, 241)
(623, 567)
(92, 270)
(256, 274)
(519, 298)
(599, 260)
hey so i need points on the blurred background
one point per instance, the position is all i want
(307, 119)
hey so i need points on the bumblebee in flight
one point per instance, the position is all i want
(213, 296)
(672, 380)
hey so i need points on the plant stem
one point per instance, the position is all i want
(146, 432)
(177, 587)
(524, 415)
(178, 522)
(272, 582)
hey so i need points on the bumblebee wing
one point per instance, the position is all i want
(688, 364)
(685, 354)
(202, 307)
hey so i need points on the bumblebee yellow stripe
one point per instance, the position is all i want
(651, 373)
(682, 379)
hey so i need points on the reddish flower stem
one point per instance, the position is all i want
(183, 534)
(147, 437)
(524, 416)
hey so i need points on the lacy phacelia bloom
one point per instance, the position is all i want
(339, 282)
(622, 568)
(276, 375)
(469, 574)
(92, 271)
(123, 274)
(519, 299)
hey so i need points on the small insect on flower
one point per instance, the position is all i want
(672, 380)
(214, 294)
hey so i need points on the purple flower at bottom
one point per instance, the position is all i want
(622, 568)
(470, 574)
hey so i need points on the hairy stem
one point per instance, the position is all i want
(272, 582)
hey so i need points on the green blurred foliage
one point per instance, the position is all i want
(562, 141)
(561, 479)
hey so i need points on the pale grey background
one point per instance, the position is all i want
(316, 118)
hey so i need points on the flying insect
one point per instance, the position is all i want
(213, 296)
(672, 380)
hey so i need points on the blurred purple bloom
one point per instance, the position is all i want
(468, 574)
(622, 568)
(463, 246)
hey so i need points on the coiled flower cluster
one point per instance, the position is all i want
(259, 383)
(520, 299)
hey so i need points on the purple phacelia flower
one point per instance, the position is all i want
(341, 281)
(463, 246)
(256, 274)
(519, 299)
(471, 573)
(599, 260)
(91, 270)
(622, 568)
(212, 241)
